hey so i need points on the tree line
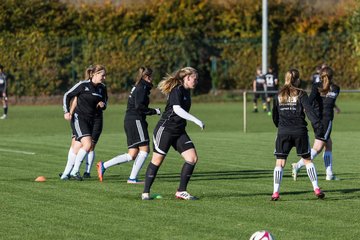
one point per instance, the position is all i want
(46, 45)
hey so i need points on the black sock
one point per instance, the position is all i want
(150, 176)
(186, 173)
(268, 106)
(5, 110)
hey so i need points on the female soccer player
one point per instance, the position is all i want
(259, 86)
(272, 85)
(289, 118)
(3, 92)
(323, 95)
(91, 99)
(136, 127)
(76, 145)
(170, 130)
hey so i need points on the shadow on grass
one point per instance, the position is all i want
(331, 195)
(220, 175)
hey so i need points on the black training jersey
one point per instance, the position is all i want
(329, 100)
(270, 82)
(260, 81)
(324, 105)
(2, 82)
(289, 117)
(99, 111)
(315, 99)
(138, 101)
(315, 78)
(89, 96)
(169, 119)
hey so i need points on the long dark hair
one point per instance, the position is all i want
(143, 71)
(326, 75)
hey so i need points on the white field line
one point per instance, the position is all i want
(15, 151)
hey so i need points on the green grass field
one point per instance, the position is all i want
(233, 180)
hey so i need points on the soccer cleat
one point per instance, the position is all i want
(275, 196)
(3, 116)
(100, 170)
(184, 195)
(86, 175)
(135, 181)
(319, 193)
(76, 176)
(255, 110)
(145, 196)
(331, 178)
(66, 177)
(295, 171)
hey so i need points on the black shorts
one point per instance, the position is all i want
(271, 93)
(1, 94)
(136, 133)
(327, 124)
(163, 140)
(284, 144)
(81, 126)
(97, 130)
(259, 95)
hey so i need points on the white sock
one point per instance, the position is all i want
(327, 156)
(89, 161)
(313, 154)
(79, 158)
(117, 160)
(278, 173)
(138, 163)
(70, 163)
(311, 171)
(300, 164)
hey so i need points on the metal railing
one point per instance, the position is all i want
(266, 92)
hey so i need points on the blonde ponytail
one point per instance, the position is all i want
(291, 87)
(172, 80)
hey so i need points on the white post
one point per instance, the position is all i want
(244, 101)
(264, 35)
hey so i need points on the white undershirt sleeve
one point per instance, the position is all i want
(185, 115)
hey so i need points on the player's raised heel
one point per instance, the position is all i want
(100, 170)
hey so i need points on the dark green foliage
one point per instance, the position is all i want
(47, 45)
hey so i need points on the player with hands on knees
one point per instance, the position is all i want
(170, 130)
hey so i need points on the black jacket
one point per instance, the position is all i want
(89, 96)
(138, 101)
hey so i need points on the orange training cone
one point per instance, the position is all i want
(40, 179)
